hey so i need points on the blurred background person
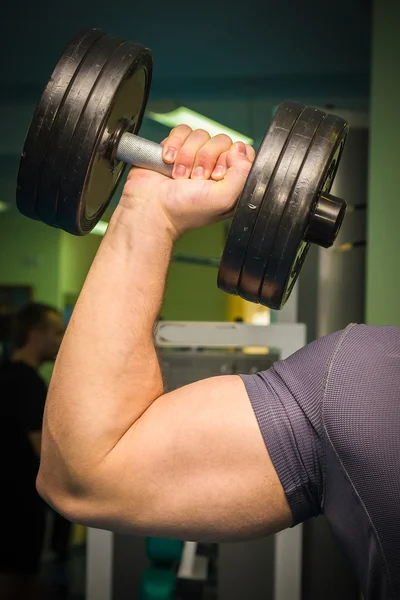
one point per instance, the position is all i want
(37, 335)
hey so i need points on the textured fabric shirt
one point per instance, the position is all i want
(330, 419)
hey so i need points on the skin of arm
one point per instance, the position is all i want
(117, 452)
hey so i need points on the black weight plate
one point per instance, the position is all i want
(316, 176)
(274, 203)
(71, 108)
(44, 117)
(90, 177)
(250, 200)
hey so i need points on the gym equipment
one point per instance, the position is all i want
(158, 582)
(98, 89)
(84, 133)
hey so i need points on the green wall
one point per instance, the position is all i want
(55, 264)
(192, 293)
(76, 256)
(383, 258)
(30, 254)
(52, 262)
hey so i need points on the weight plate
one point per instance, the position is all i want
(316, 176)
(90, 177)
(274, 203)
(71, 108)
(250, 200)
(44, 117)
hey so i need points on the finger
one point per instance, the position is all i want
(220, 168)
(174, 142)
(163, 142)
(250, 153)
(238, 167)
(208, 155)
(186, 155)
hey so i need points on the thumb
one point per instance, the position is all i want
(238, 161)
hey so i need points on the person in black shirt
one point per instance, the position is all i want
(37, 337)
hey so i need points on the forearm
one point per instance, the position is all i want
(107, 373)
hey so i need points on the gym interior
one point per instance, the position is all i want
(224, 68)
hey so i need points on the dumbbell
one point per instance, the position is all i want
(83, 134)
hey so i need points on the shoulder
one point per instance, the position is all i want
(353, 365)
(362, 393)
(363, 352)
(356, 348)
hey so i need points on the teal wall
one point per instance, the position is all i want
(383, 258)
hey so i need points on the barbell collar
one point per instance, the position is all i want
(325, 220)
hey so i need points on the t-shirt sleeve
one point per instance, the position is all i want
(287, 402)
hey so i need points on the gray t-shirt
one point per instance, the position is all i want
(330, 418)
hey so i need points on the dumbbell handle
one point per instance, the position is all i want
(137, 151)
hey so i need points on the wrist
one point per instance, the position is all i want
(145, 219)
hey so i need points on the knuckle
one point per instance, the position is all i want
(204, 156)
(222, 157)
(202, 133)
(224, 139)
(185, 157)
(180, 132)
(172, 141)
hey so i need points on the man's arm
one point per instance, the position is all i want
(117, 452)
